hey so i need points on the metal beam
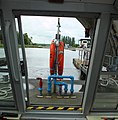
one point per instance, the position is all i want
(98, 113)
(11, 42)
(54, 13)
(116, 4)
(24, 57)
(86, 22)
(8, 64)
(36, 5)
(100, 39)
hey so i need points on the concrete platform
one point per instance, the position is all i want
(106, 97)
(55, 99)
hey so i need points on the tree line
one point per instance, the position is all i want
(68, 40)
(27, 39)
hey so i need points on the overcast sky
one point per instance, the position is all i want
(43, 29)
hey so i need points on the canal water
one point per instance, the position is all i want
(38, 62)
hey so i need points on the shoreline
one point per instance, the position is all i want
(41, 46)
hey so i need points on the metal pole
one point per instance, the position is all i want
(57, 43)
(24, 57)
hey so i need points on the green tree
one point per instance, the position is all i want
(27, 40)
(73, 41)
(64, 39)
(1, 40)
(68, 40)
(18, 37)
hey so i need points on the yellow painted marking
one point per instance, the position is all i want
(80, 109)
(50, 108)
(60, 108)
(29, 108)
(70, 109)
(39, 108)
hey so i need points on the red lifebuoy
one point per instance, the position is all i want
(52, 57)
(60, 57)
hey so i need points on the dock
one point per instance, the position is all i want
(82, 61)
(55, 98)
(67, 100)
(83, 57)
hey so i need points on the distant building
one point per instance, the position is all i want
(84, 43)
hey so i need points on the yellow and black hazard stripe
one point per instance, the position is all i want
(53, 108)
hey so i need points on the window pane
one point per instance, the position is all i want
(107, 89)
(6, 95)
(38, 57)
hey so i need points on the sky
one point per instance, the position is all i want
(43, 29)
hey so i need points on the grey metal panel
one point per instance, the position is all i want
(8, 110)
(100, 38)
(12, 49)
(116, 4)
(8, 57)
(109, 73)
(104, 114)
(79, 1)
(53, 116)
(65, 7)
(55, 13)
(92, 1)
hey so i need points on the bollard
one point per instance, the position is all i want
(40, 86)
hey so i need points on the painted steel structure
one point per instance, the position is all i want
(104, 11)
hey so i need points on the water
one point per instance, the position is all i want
(38, 62)
(2, 53)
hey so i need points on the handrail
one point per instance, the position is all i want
(84, 54)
